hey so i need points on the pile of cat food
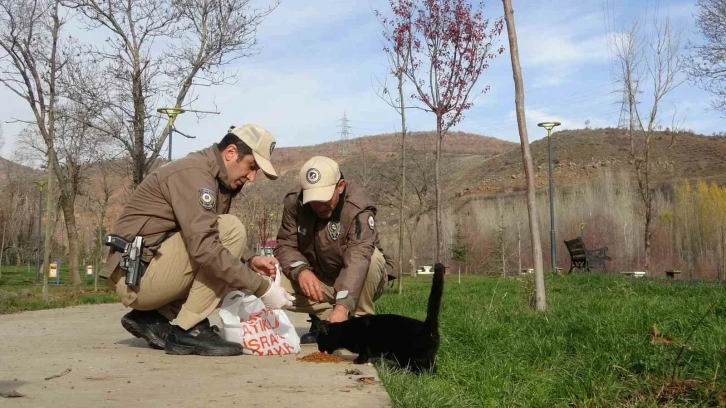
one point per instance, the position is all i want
(319, 357)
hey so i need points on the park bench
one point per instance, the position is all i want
(671, 273)
(586, 259)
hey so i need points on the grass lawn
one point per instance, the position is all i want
(18, 291)
(593, 347)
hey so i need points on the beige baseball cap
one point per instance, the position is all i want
(262, 144)
(318, 177)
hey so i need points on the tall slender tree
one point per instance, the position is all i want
(30, 33)
(541, 300)
(396, 33)
(448, 44)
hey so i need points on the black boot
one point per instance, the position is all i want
(149, 325)
(202, 339)
(311, 336)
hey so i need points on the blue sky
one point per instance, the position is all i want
(320, 58)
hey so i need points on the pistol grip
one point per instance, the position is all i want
(116, 242)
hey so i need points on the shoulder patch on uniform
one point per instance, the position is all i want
(207, 198)
(371, 222)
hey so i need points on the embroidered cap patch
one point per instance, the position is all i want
(207, 198)
(313, 176)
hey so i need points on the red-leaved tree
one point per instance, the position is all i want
(448, 44)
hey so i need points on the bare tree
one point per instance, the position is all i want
(421, 199)
(200, 36)
(75, 145)
(12, 211)
(541, 301)
(652, 58)
(363, 167)
(29, 36)
(708, 60)
(394, 33)
(19, 194)
(449, 44)
(98, 195)
(260, 207)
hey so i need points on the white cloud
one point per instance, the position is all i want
(321, 58)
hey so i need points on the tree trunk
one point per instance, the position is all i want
(68, 205)
(401, 215)
(648, 233)
(526, 156)
(437, 170)
(45, 267)
(412, 247)
(100, 250)
(2, 250)
(139, 157)
(648, 199)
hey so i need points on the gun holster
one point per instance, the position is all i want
(131, 253)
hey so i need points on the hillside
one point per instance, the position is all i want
(578, 155)
(9, 168)
(389, 145)
(473, 167)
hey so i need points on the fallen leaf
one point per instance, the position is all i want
(656, 337)
(354, 371)
(11, 394)
(367, 380)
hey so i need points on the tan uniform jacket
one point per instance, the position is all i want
(186, 196)
(337, 250)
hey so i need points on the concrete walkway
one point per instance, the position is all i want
(111, 368)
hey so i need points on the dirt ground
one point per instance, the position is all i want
(109, 368)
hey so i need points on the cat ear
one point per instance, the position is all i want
(325, 327)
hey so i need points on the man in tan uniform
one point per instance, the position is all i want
(328, 247)
(194, 252)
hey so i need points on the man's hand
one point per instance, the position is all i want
(264, 265)
(277, 298)
(339, 314)
(310, 285)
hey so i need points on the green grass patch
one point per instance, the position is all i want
(18, 291)
(594, 346)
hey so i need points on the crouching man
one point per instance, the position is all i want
(195, 252)
(328, 247)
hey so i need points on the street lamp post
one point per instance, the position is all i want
(171, 114)
(553, 253)
(40, 184)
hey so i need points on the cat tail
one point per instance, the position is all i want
(437, 290)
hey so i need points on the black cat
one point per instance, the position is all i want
(409, 342)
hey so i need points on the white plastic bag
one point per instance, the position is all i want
(261, 330)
